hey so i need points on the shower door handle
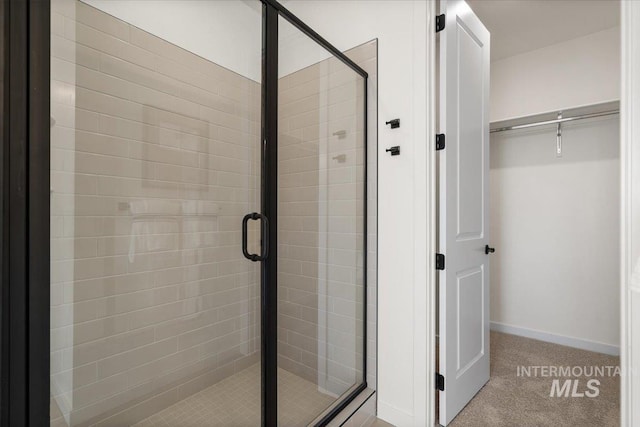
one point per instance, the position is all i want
(264, 233)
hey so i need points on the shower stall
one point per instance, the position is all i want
(208, 216)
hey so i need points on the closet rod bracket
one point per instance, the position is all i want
(559, 136)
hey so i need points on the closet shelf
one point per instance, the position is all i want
(557, 117)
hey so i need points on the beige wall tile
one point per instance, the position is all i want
(94, 18)
(137, 412)
(83, 396)
(134, 358)
(99, 349)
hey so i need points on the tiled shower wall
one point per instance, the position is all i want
(154, 161)
(321, 196)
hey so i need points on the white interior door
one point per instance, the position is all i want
(463, 208)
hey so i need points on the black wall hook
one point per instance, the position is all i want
(395, 123)
(393, 150)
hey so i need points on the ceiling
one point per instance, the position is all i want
(519, 26)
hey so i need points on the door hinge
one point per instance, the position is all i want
(440, 23)
(440, 141)
(439, 262)
(439, 382)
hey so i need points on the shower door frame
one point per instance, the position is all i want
(269, 283)
(25, 212)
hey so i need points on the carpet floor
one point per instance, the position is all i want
(512, 400)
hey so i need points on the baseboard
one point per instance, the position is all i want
(582, 344)
(394, 416)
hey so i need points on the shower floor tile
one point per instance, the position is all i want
(235, 401)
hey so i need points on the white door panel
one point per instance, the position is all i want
(463, 208)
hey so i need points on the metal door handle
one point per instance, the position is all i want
(489, 250)
(265, 237)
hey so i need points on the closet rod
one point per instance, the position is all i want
(554, 121)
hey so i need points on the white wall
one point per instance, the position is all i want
(578, 72)
(554, 223)
(403, 52)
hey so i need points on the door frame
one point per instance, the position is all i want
(25, 211)
(629, 167)
(24, 175)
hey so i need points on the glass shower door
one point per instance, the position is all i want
(164, 168)
(155, 159)
(321, 227)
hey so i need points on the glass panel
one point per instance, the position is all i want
(155, 137)
(321, 167)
